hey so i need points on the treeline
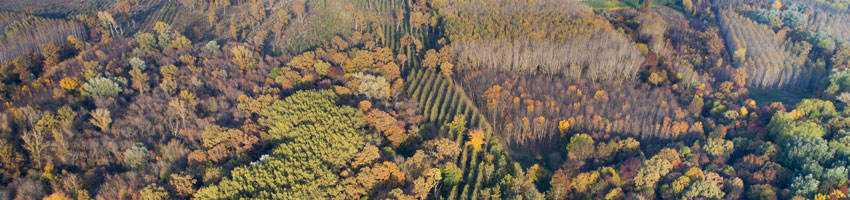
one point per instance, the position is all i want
(22, 33)
(770, 60)
(534, 110)
(547, 37)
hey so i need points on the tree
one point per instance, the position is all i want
(652, 170)
(212, 47)
(102, 87)
(136, 156)
(443, 149)
(138, 64)
(57, 196)
(11, 161)
(387, 125)
(800, 149)
(429, 180)
(153, 192)
(431, 60)
(655, 79)
(51, 53)
(805, 185)
(718, 147)
(451, 174)
(688, 6)
(563, 126)
(704, 189)
(581, 146)
(375, 87)
(219, 143)
(561, 185)
(299, 7)
(476, 140)
(145, 40)
(140, 80)
(244, 58)
(69, 84)
(182, 184)
(101, 118)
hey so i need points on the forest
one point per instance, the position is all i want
(424, 99)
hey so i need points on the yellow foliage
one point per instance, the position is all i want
(695, 173)
(777, 5)
(476, 139)
(744, 111)
(838, 194)
(563, 126)
(69, 84)
(57, 196)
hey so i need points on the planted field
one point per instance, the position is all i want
(440, 100)
(770, 61)
(20, 33)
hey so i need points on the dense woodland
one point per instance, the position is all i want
(424, 99)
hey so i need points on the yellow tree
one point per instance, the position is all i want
(476, 139)
(243, 58)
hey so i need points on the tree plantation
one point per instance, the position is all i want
(424, 99)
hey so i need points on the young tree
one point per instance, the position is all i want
(101, 118)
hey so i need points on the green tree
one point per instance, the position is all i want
(451, 174)
(704, 189)
(800, 149)
(655, 168)
(212, 46)
(718, 147)
(146, 40)
(375, 87)
(297, 169)
(805, 185)
(136, 156)
(102, 87)
(138, 64)
(153, 192)
(581, 146)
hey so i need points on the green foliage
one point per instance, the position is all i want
(138, 64)
(212, 46)
(837, 82)
(582, 146)
(146, 40)
(798, 150)
(718, 147)
(297, 169)
(653, 169)
(102, 87)
(374, 87)
(153, 192)
(785, 125)
(451, 174)
(805, 185)
(136, 156)
(704, 189)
